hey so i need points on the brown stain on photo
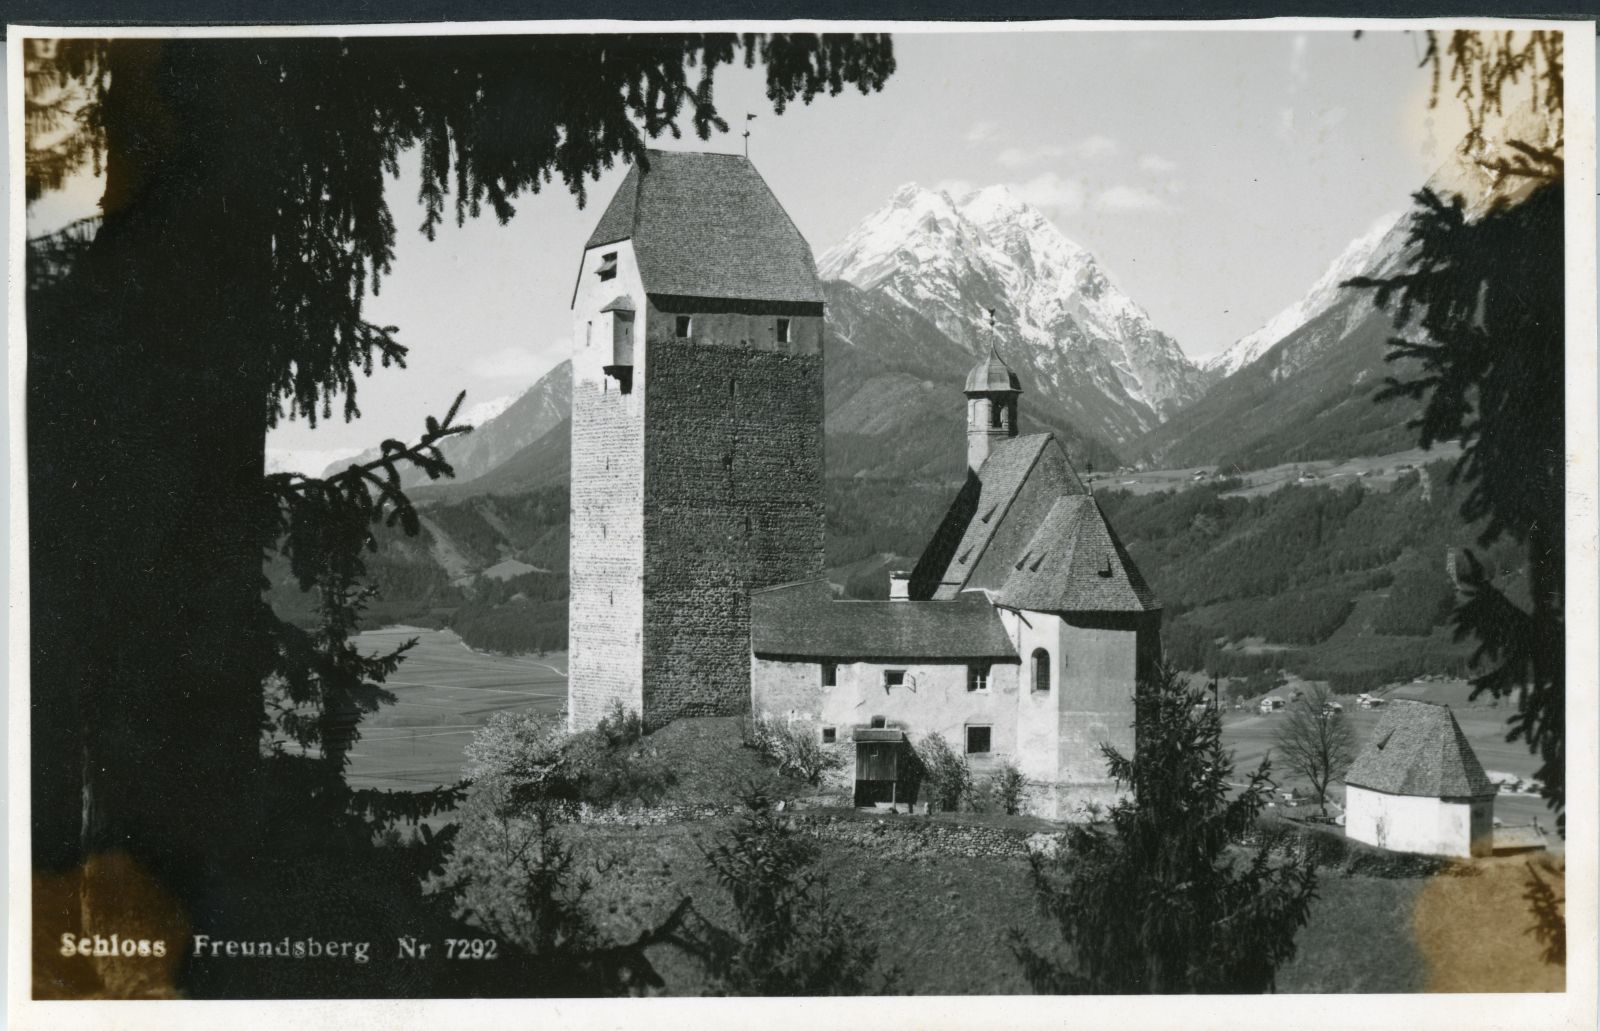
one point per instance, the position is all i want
(127, 902)
(1477, 927)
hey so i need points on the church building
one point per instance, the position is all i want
(696, 436)
(1019, 636)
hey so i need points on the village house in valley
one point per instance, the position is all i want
(697, 523)
(1418, 786)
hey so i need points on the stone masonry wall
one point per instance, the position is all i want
(605, 611)
(606, 606)
(733, 500)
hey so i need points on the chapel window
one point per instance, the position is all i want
(608, 266)
(977, 678)
(1041, 670)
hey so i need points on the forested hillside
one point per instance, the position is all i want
(1345, 584)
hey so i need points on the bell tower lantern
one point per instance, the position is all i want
(992, 390)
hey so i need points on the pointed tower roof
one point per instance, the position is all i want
(1419, 749)
(992, 375)
(707, 225)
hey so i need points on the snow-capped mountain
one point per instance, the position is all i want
(1059, 319)
(1303, 386)
(1366, 254)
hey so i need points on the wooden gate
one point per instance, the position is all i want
(878, 766)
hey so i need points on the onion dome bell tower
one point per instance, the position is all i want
(992, 390)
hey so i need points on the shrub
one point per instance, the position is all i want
(789, 937)
(946, 774)
(621, 727)
(795, 752)
(1007, 786)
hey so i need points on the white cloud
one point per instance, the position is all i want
(1157, 165)
(1051, 191)
(980, 131)
(1093, 148)
(1128, 198)
(1021, 157)
(956, 188)
(1096, 147)
(522, 364)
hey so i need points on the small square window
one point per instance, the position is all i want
(978, 740)
(829, 735)
(894, 678)
(830, 674)
(977, 678)
(879, 722)
(685, 327)
(783, 331)
(608, 266)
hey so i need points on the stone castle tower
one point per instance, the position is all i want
(696, 436)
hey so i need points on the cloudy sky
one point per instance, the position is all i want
(1215, 174)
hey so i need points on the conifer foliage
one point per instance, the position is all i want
(1485, 288)
(245, 221)
(1155, 896)
(789, 937)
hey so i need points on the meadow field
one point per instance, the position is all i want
(445, 692)
(1372, 471)
(1250, 736)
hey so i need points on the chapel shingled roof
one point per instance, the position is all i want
(805, 621)
(964, 534)
(1419, 749)
(707, 225)
(1074, 563)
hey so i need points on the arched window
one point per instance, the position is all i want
(1041, 670)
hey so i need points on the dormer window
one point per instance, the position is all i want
(783, 331)
(608, 266)
(685, 327)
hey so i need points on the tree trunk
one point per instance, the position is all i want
(148, 388)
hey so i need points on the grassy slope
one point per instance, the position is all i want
(943, 922)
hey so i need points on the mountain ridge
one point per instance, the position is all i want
(1056, 311)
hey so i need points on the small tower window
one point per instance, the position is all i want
(608, 266)
(783, 331)
(685, 327)
(997, 416)
(1041, 670)
(830, 674)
